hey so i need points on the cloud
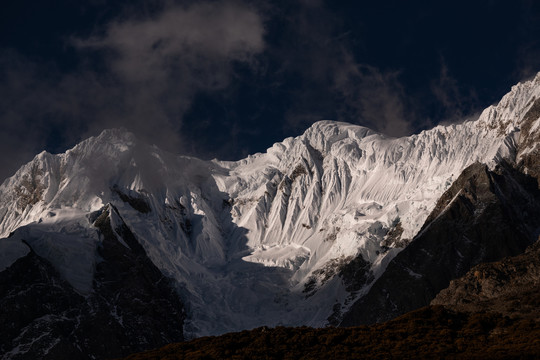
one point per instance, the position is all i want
(24, 99)
(141, 72)
(202, 38)
(528, 49)
(373, 98)
(337, 83)
(161, 62)
(455, 102)
(528, 61)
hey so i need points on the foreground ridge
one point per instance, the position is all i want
(432, 333)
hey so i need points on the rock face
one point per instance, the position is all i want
(131, 305)
(484, 216)
(529, 149)
(510, 287)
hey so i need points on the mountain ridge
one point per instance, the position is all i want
(277, 230)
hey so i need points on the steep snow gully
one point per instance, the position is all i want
(267, 240)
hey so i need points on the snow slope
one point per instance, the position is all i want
(258, 241)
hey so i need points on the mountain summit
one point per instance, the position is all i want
(308, 233)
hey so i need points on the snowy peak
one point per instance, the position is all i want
(279, 228)
(516, 116)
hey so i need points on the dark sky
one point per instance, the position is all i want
(228, 78)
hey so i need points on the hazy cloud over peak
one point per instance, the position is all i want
(162, 60)
(181, 39)
(226, 78)
(373, 98)
(140, 72)
(455, 101)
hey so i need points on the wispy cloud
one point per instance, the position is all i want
(341, 86)
(194, 41)
(161, 62)
(373, 98)
(456, 102)
(141, 72)
(528, 52)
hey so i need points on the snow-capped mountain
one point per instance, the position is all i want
(293, 236)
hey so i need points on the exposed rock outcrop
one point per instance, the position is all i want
(484, 216)
(132, 306)
(529, 147)
(510, 287)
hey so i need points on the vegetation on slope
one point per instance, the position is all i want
(431, 332)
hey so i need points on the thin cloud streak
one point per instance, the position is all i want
(353, 91)
(150, 68)
(162, 62)
(202, 37)
(457, 104)
(373, 98)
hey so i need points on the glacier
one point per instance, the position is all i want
(262, 240)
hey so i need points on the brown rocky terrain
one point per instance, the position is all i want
(432, 332)
(510, 287)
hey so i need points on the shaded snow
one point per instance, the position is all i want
(68, 241)
(10, 250)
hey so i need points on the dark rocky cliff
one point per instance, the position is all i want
(484, 216)
(510, 287)
(132, 306)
